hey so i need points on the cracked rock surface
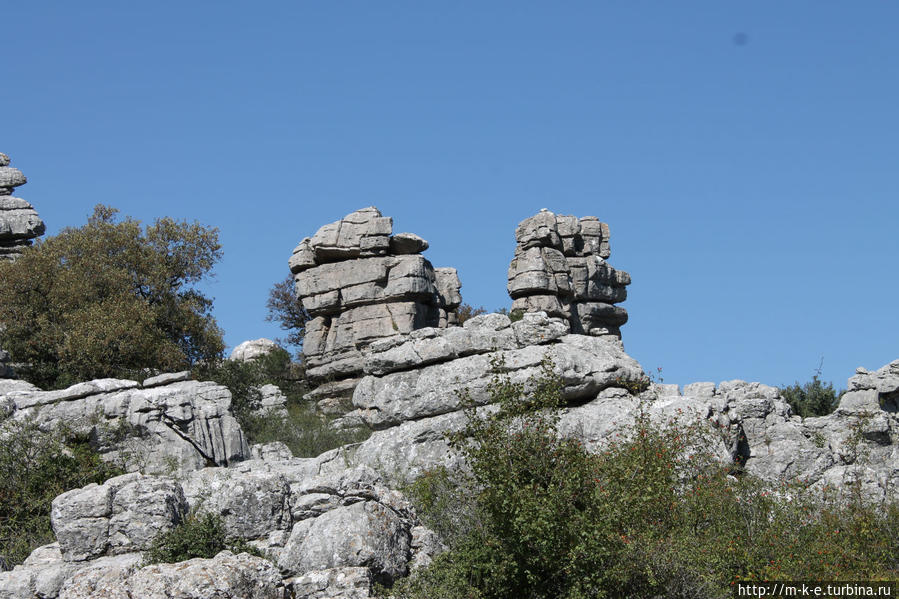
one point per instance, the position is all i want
(168, 423)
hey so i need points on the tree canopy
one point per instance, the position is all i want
(112, 298)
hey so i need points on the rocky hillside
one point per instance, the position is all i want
(387, 353)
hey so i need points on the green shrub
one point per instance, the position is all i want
(285, 309)
(35, 467)
(654, 513)
(199, 535)
(812, 398)
(441, 498)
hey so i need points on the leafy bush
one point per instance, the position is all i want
(812, 398)
(199, 535)
(652, 514)
(35, 467)
(110, 299)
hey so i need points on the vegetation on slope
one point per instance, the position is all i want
(35, 467)
(198, 535)
(653, 514)
(304, 430)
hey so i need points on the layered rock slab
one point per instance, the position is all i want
(226, 576)
(429, 374)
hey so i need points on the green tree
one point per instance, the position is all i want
(285, 309)
(110, 299)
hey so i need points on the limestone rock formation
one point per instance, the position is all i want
(167, 423)
(331, 534)
(855, 446)
(360, 283)
(19, 222)
(560, 268)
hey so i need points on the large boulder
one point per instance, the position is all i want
(349, 519)
(251, 501)
(123, 515)
(252, 349)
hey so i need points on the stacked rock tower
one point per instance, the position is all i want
(19, 222)
(560, 268)
(361, 283)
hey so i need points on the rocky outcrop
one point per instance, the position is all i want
(19, 222)
(560, 268)
(382, 335)
(123, 515)
(168, 423)
(360, 283)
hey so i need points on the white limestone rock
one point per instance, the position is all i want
(226, 576)
(407, 243)
(251, 501)
(586, 365)
(252, 349)
(365, 533)
(333, 583)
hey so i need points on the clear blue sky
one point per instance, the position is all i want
(745, 153)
